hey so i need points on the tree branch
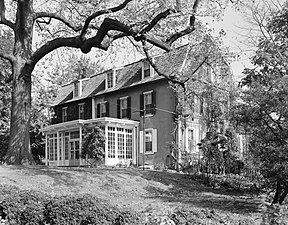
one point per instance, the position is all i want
(99, 13)
(3, 19)
(8, 57)
(57, 17)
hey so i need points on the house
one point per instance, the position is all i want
(137, 110)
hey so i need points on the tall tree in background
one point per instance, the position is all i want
(263, 112)
(5, 96)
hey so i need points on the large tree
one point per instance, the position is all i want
(82, 25)
(262, 112)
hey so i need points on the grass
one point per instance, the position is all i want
(154, 194)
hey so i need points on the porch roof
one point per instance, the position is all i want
(80, 123)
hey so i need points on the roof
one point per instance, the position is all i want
(131, 75)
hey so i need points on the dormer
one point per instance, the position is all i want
(78, 87)
(111, 79)
(147, 70)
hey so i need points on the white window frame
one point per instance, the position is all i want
(145, 94)
(154, 141)
(81, 110)
(146, 66)
(121, 112)
(103, 106)
(64, 114)
(110, 83)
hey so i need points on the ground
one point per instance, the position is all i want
(154, 193)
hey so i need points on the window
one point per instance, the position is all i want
(102, 109)
(81, 111)
(148, 103)
(76, 89)
(124, 108)
(110, 80)
(64, 114)
(146, 69)
(150, 141)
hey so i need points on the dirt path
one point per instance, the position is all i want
(151, 192)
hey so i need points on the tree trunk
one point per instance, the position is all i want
(19, 152)
(277, 193)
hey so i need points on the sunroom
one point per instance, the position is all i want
(63, 142)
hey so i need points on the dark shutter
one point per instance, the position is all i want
(98, 111)
(153, 111)
(129, 107)
(107, 109)
(141, 104)
(118, 109)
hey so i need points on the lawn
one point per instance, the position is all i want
(153, 194)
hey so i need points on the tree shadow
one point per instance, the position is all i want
(182, 189)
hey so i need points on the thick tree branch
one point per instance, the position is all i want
(8, 57)
(3, 19)
(57, 17)
(99, 13)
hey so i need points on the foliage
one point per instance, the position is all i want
(30, 207)
(262, 112)
(93, 145)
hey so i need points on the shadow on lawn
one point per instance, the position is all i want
(182, 189)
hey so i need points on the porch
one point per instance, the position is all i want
(63, 142)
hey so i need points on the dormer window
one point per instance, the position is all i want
(147, 70)
(111, 79)
(78, 87)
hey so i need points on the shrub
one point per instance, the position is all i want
(23, 207)
(93, 145)
(31, 208)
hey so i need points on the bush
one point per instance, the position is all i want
(93, 146)
(31, 208)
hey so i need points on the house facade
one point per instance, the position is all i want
(137, 110)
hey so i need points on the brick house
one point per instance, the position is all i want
(117, 100)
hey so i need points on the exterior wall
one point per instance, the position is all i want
(162, 121)
(73, 110)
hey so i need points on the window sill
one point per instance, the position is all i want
(149, 153)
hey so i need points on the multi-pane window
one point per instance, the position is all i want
(111, 142)
(81, 111)
(148, 141)
(129, 143)
(66, 146)
(124, 107)
(110, 80)
(121, 149)
(146, 69)
(64, 114)
(52, 147)
(148, 104)
(103, 109)
(76, 89)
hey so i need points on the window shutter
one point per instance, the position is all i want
(154, 140)
(98, 111)
(107, 109)
(118, 109)
(141, 104)
(129, 107)
(153, 111)
(141, 142)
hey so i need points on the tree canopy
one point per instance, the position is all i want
(262, 112)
